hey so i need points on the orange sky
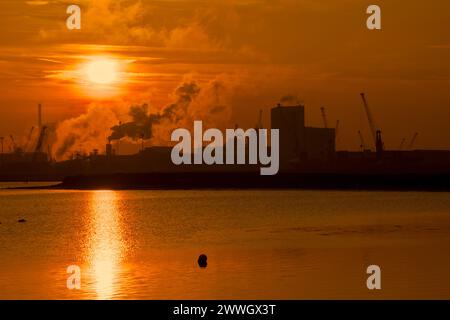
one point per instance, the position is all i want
(260, 51)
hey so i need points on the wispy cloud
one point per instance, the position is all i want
(37, 2)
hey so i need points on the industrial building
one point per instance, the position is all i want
(298, 143)
(302, 149)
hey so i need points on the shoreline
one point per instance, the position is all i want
(252, 181)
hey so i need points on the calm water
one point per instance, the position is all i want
(260, 244)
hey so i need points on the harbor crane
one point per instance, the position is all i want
(361, 139)
(373, 129)
(376, 133)
(13, 143)
(413, 141)
(400, 147)
(28, 139)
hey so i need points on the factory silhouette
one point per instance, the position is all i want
(304, 152)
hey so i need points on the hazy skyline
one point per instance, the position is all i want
(242, 55)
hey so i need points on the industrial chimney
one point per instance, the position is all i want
(109, 149)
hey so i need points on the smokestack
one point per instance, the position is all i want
(39, 116)
(109, 150)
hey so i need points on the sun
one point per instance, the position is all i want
(102, 71)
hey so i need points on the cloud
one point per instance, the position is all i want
(37, 2)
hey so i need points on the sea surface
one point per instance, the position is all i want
(260, 244)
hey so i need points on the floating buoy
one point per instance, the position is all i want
(202, 261)
(21, 220)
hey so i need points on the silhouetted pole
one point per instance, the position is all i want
(379, 145)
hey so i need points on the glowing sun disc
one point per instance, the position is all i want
(102, 71)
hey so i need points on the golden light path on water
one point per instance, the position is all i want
(106, 247)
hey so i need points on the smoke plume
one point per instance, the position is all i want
(290, 99)
(190, 101)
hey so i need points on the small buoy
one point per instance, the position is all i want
(22, 220)
(202, 261)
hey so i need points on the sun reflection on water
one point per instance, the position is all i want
(107, 246)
